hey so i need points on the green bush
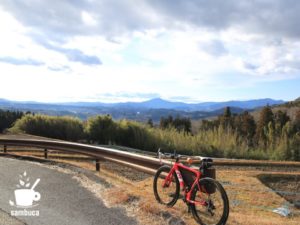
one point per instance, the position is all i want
(134, 134)
(100, 129)
(7, 118)
(65, 128)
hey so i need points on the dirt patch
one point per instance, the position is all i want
(287, 186)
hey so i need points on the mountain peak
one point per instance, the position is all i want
(156, 100)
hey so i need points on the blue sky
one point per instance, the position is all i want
(122, 50)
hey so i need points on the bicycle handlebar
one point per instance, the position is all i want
(205, 161)
(168, 155)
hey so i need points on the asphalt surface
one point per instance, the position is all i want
(63, 201)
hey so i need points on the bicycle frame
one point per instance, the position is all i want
(187, 195)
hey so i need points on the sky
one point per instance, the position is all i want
(128, 50)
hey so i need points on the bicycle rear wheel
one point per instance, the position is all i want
(166, 191)
(211, 203)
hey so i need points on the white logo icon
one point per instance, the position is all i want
(24, 195)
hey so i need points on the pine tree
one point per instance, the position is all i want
(265, 121)
(248, 127)
(226, 119)
(281, 118)
(286, 132)
(297, 122)
(163, 123)
(270, 134)
(227, 112)
(295, 147)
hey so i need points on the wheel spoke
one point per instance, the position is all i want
(166, 189)
(210, 207)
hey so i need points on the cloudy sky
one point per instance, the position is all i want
(133, 50)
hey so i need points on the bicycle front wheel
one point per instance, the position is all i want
(211, 204)
(166, 191)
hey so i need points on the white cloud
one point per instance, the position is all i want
(88, 19)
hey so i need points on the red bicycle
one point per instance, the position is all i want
(204, 195)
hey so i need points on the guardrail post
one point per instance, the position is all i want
(5, 149)
(46, 153)
(97, 165)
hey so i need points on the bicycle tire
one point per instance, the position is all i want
(158, 181)
(201, 217)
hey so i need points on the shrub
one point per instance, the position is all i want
(7, 118)
(65, 128)
(100, 129)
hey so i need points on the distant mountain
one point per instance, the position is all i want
(158, 103)
(141, 111)
(3, 100)
(249, 104)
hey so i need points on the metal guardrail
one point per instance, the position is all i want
(143, 163)
(137, 161)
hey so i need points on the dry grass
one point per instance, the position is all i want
(117, 196)
(254, 200)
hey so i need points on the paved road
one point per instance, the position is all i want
(63, 201)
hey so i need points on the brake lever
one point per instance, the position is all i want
(159, 157)
(201, 158)
(159, 153)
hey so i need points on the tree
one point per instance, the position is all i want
(182, 124)
(281, 118)
(264, 123)
(100, 129)
(150, 122)
(166, 122)
(179, 123)
(8, 118)
(296, 124)
(227, 112)
(248, 127)
(295, 147)
(187, 124)
(226, 119)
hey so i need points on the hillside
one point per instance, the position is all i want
(290, 108)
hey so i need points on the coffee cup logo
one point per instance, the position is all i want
(24, 195)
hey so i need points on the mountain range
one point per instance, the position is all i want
(158, 103)
(141, 111)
